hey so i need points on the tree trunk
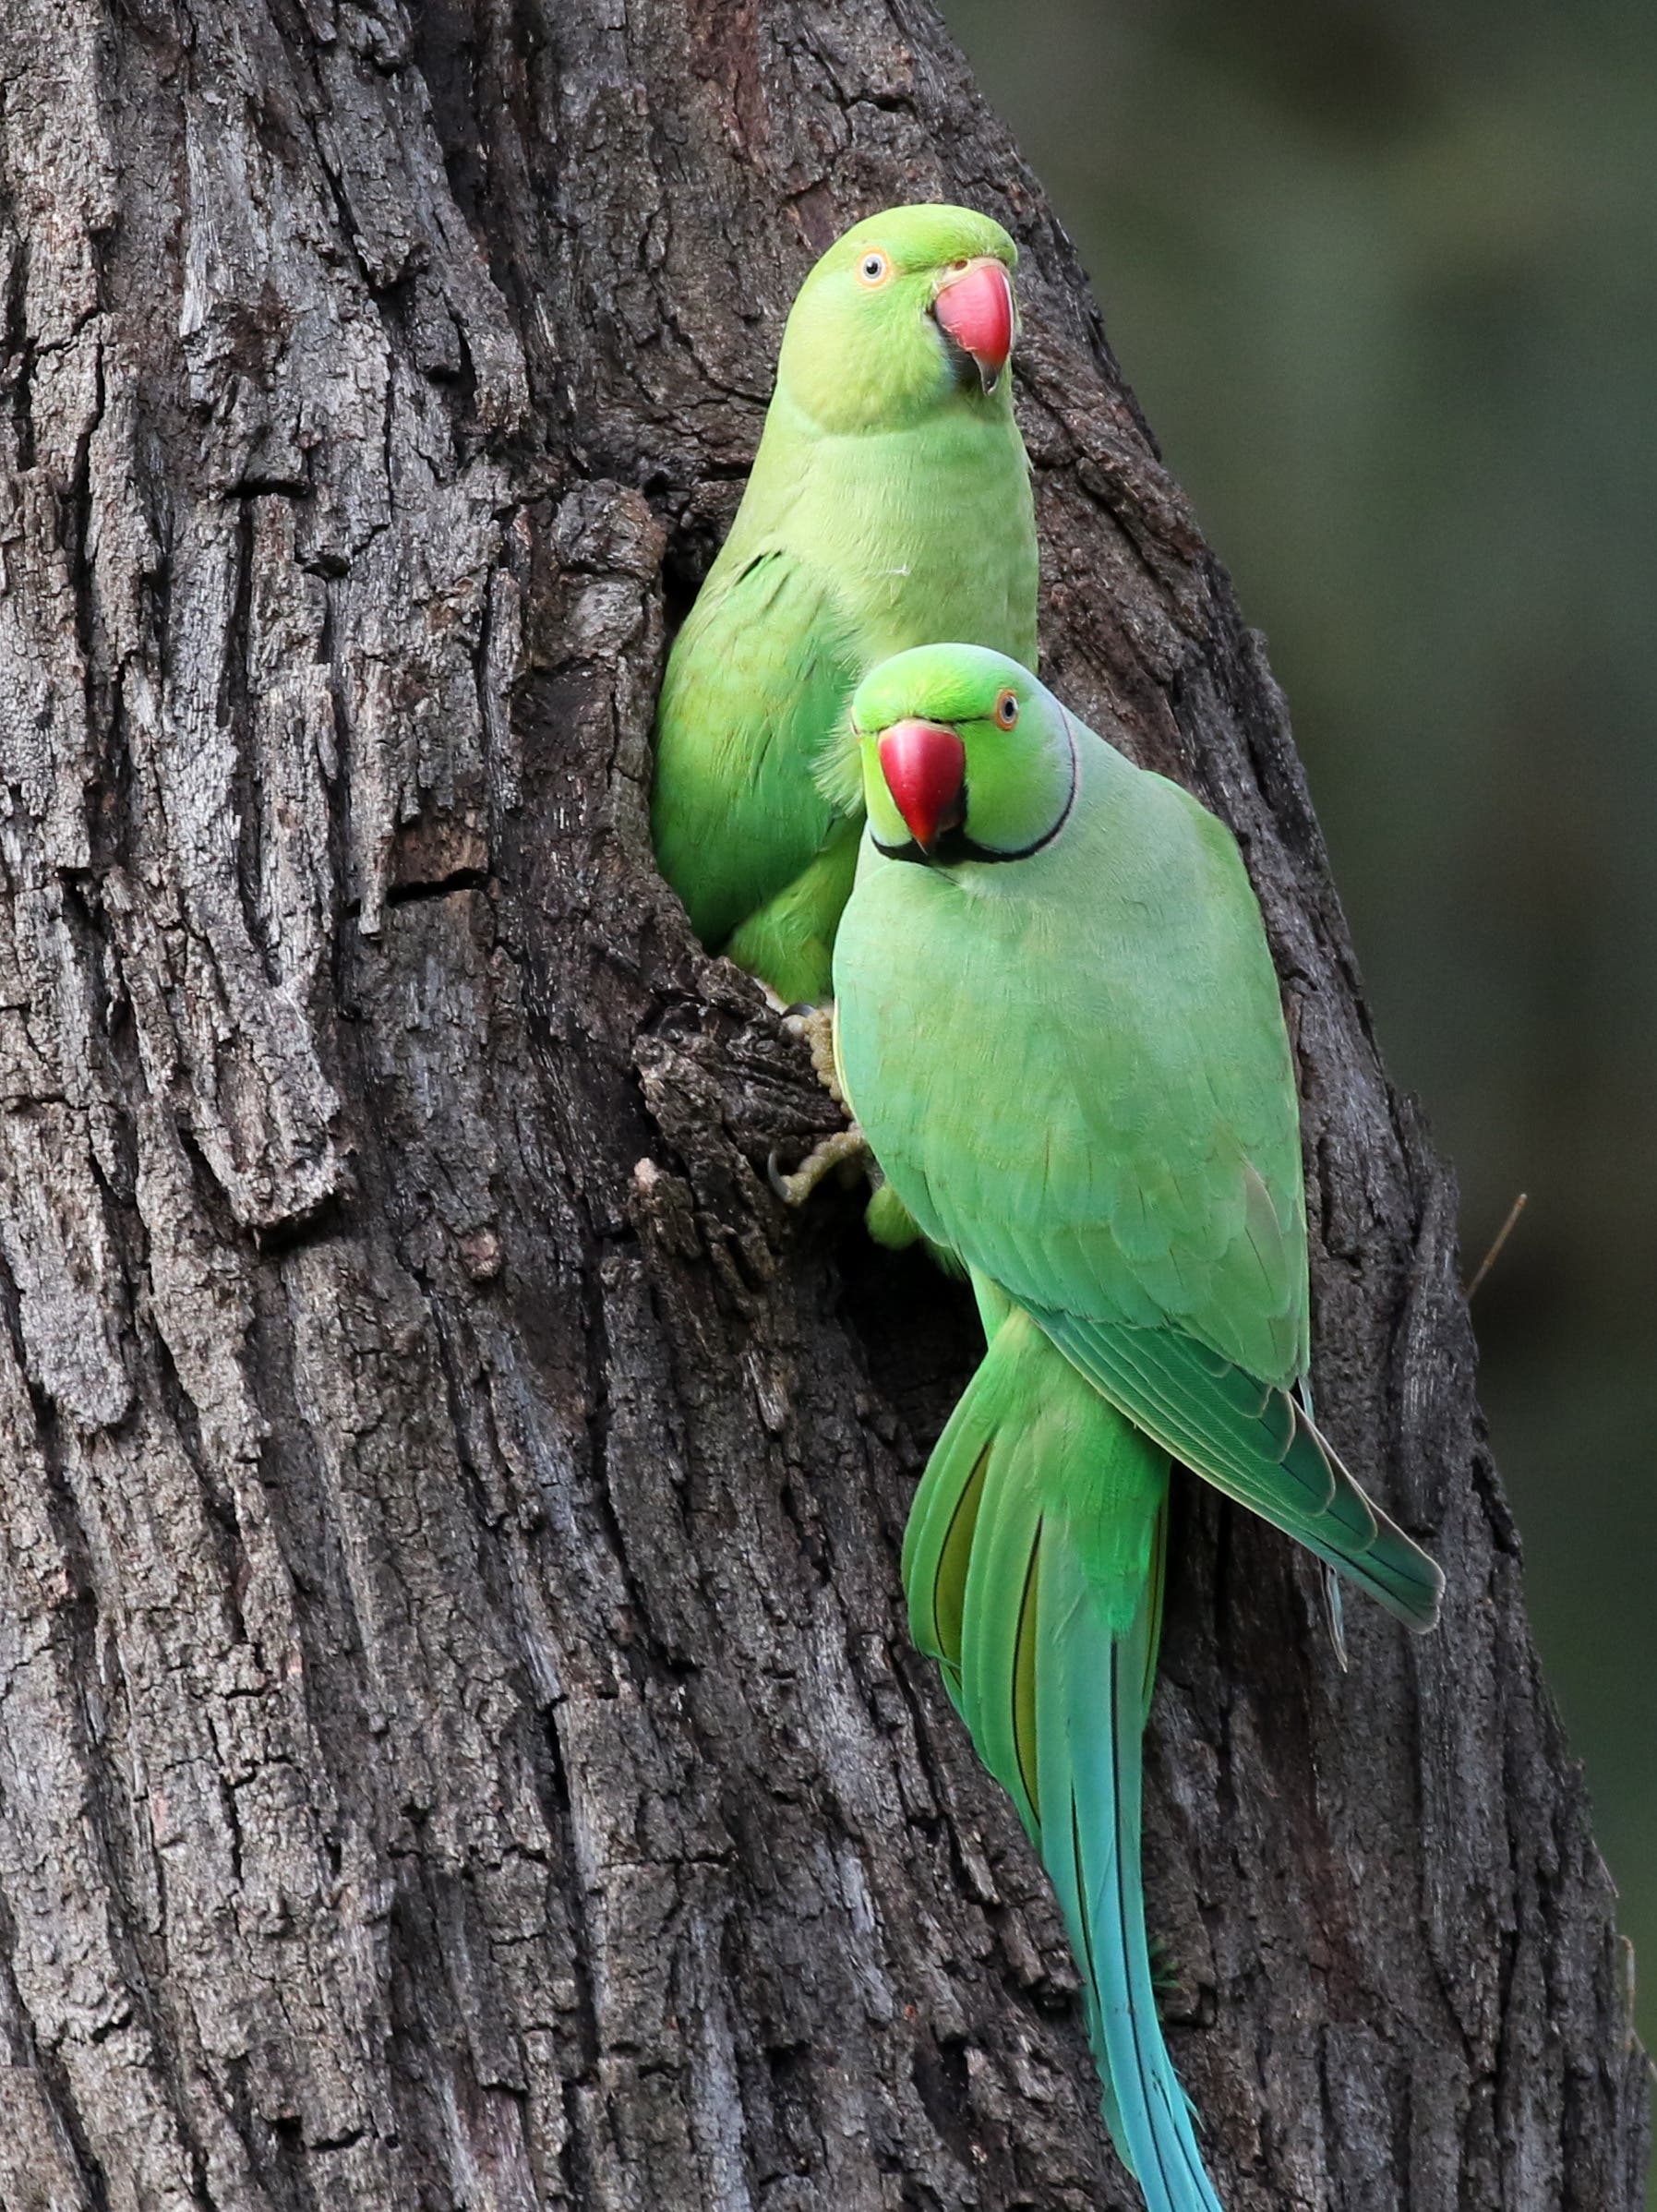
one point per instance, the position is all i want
(460, 1743)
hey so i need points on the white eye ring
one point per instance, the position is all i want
(873, 269)
(1006, 710)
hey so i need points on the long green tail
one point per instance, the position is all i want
(1033, 1564)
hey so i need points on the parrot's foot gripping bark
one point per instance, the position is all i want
(887, 1219)
(845, 1146)
(816, 1025)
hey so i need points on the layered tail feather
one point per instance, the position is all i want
(1033, 1563)
(1089, 1779)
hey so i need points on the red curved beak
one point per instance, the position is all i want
(925, 767)
(976, 309)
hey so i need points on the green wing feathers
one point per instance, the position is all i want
(1254, 1443)
(761, 670)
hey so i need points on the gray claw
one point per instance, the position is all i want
(795, 1189)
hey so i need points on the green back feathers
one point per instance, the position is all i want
(1080, 1059)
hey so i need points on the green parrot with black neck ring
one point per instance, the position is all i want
(1059, 1027)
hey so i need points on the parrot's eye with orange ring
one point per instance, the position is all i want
(873, 269)
(1006, 710)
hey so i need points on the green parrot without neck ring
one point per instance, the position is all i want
(889, 504)
(1060, 1030)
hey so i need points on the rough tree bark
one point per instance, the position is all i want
(461, 1745)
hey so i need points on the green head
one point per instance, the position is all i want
(909, 312)
(965, 756)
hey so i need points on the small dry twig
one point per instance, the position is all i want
(1502, 1234)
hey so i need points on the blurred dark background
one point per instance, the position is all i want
(1383, 276)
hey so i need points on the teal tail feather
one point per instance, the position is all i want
(1033, 1564)
(1089, 1721)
